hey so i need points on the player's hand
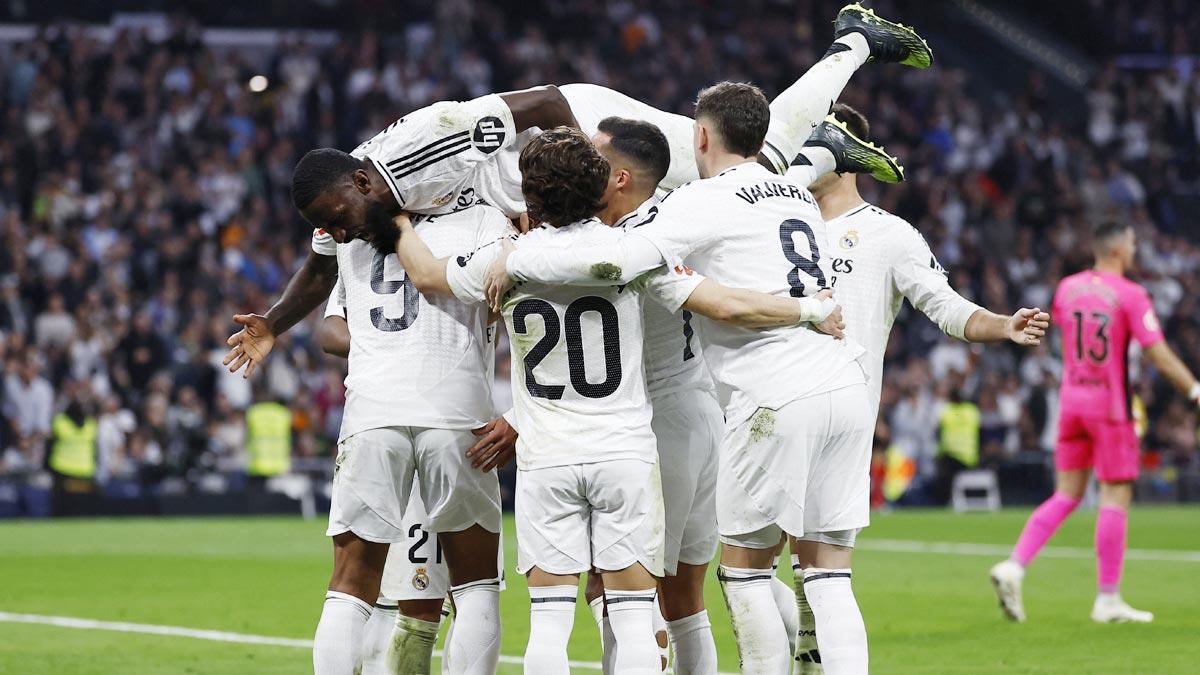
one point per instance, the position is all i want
(403, 223)
(521, 222)
(250, 345)
(833, 324)
(498, 282)
(1028, 326)
(496, 446)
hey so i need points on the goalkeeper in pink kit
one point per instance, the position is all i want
(1099, 312)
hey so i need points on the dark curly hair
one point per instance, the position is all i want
(562, 177)
(317, 170)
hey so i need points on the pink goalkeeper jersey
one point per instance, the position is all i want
(1098, 314)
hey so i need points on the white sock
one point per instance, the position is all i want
(661, 637)
(608, 643)
(447, 615)
(377, 636)
(412, 645)
(841, 635)
(803, 105)
(476, 645)
(631, 614)
(597, 607)
(806, 650)
(761, 638)
(814, 161)
(337, 646)
(551, 616)
(692, 640)
(785, 600)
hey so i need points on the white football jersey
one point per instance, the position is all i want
(749, 228)
(578, 386)
(878, 260)
(417, 361)
(672, 353)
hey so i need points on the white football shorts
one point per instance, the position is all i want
(373, 482)
(688, 425)
(606, 515)
(802, 469)
(415, 568)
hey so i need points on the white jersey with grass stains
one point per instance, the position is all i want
(749, 228)
(578, 386)
(415, 360)
(877, 261)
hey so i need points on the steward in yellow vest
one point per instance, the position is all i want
(268, 439)
(73, 453)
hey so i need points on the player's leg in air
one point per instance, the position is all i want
(860, 36)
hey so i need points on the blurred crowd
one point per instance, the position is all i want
(144, 201)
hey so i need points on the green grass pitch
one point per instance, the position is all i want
(926, 612)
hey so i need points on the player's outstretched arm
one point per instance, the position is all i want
(544, 107)
(334, 336)
(1026, 327)
(1172, 367)
(752, 309)
(425, 270)
(307, 289)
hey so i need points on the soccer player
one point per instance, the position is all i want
(450, 156)
(588, 488)
(1099, 312)
(687, 420)
(419, 381)
(879, 261)
(416, 581)
(796, 448)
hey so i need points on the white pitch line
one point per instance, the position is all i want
(993, 550)
(214, 635)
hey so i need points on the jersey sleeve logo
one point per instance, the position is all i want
(489, 135)
(936, 266)
(1150, 321)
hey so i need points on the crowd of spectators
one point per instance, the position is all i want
(144, 201)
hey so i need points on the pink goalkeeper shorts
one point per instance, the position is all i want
(1110, 447)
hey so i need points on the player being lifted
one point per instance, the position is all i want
(450, 156)
(796, 448)
(588, 488)
(419, 381)
(1099, 312)
(878, 261)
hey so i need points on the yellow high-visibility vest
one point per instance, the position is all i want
(268, 439)
(74, 451)
(959, 432)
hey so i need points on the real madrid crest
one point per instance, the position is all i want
(444, 199)
(420, 579)
(849, 240)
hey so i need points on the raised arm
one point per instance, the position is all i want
(304, 293)
(1172, 367)
(543, 107)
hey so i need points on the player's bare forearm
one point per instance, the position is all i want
(426, 271)
(544, 107)
(308, 288)
(1172, 368)
(334, 335)
(742, 307)
(985, 326)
